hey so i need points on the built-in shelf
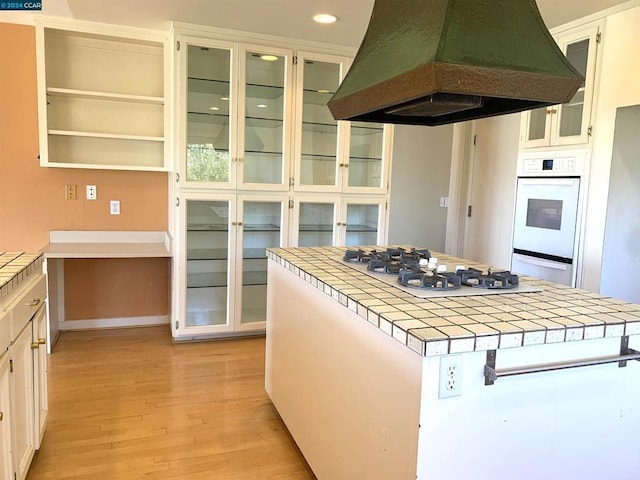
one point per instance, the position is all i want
(101, 100)
(70, 92)
(114, 136)
(315, 228)
(361, 229)
(219, 279)
(215, 254)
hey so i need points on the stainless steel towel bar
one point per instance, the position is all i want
(491, 374)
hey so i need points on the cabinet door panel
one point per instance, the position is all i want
(315, 222)
(22, 402)
(264, 106)
(263, 226)
(40, 368)
(318, 138)
(210, 123)
(208, 236)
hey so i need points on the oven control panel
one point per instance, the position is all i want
(552, 164)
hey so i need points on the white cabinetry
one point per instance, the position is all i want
(22, 402)
(262, 163)
(40, 375)
(234, 108)
(23, 376)
(324, 220)
(222, 265)
(101, 97)
(334, 156)
(569, 123)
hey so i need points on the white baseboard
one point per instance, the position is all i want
(114, 322)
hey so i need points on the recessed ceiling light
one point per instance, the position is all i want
(269, 58)
(324, 18)
(224, 98)
(214, 108)
(262, 105)
(324, 91)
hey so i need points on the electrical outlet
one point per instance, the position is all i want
(114, 207)
(92, 192)
(450, 376)
(70, 192)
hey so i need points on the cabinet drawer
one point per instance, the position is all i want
(5, 331)
(27, 304)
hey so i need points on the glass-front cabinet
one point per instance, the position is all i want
(569, 123)
(236, 106)
(260, 163)
(319, 221)
(223, 273)
(331, 155)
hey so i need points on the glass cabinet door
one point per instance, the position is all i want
(262, 227)
(208, 276)
(264, 109)
(363, 223)
(573, 118)
(366, 153)
(318, 138)
(210, 123)
(315, 223)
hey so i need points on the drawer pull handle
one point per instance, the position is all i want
(34, 302)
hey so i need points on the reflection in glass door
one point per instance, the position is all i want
(315, 224)
(208, 114)
(362, 225)
(207, 254)
(261, 229)
(264, 114)
(319, 147)
(365, 158)
(571, 113)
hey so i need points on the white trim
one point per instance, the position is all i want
(595, 16)
(262, 39)
(106, 29)
(114, 322)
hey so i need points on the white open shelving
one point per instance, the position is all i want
(101, 98)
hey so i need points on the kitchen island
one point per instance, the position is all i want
(374, 382)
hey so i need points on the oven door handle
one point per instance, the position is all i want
(541, 263)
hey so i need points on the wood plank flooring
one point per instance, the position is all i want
(130, 404)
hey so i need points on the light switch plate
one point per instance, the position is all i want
(114, 207)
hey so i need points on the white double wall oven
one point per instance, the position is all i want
(548, 215)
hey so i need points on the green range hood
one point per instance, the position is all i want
(433, 62)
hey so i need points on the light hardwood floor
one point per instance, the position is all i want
(129, 404)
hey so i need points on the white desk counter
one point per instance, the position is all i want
(93, 244)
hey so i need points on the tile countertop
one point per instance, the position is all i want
(16, 267)
(442, 325)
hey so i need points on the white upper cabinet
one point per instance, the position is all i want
(569, 123)
(101, 97)
(334, 156)
(234, 105)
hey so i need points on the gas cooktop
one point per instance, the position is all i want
(416, 271)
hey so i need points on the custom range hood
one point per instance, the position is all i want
(433, 62)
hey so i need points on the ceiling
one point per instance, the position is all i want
(285, 18)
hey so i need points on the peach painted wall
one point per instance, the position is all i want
(32, 198)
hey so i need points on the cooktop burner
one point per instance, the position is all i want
(416, 270)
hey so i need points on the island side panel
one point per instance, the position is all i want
(572, 424)
(348, 393)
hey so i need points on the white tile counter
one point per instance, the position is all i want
(15, 268)
(438, 326)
